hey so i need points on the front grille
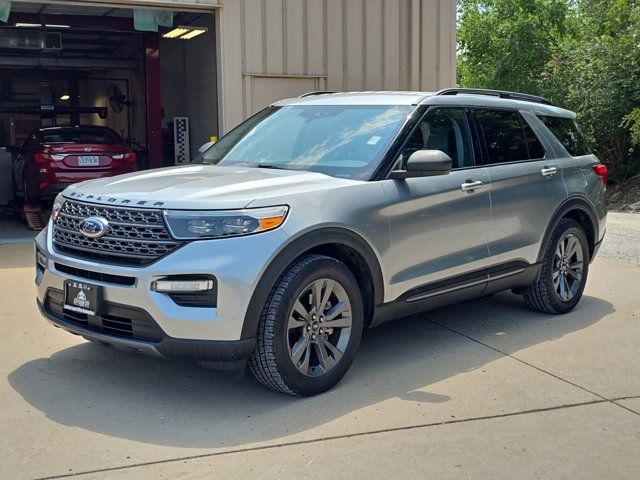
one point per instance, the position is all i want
(99, 276)
(134, 236)
(116, 320)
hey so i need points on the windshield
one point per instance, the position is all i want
(341, 141)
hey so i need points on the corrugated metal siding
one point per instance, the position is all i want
(343, 44)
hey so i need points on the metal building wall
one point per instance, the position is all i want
(270, 49)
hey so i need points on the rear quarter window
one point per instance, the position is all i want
(568, 133)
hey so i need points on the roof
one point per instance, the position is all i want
(358, 98)
(423, 98)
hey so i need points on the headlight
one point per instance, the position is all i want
(57, 206)
(185, 225)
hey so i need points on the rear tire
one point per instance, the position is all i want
(565, 267)
(309, 329)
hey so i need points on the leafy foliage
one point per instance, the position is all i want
(632, 122)
(582, 54)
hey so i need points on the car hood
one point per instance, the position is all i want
(201, 187)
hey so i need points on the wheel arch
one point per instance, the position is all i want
(340, 243)
(580, 209)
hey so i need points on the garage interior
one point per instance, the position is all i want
(71, 65)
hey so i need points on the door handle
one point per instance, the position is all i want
(470, 186)
(549, 171)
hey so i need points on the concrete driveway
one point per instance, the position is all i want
(484, 389)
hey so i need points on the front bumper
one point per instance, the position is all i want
(236, 263)
(226, 355)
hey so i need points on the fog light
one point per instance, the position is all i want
(181, 285)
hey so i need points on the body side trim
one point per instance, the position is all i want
(496, 279)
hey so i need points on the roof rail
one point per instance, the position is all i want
(496, 93)
(318, 92)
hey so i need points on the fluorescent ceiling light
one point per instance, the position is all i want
(39, 25)
(64, 96)
(176, 32)
(185, 32)
(192, 33)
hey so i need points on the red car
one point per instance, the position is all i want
(54, 157)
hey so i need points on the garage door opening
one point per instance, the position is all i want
(88, 92)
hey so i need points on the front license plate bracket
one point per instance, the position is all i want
(82, 297)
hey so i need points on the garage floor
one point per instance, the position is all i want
(485, 389)
(13, 230)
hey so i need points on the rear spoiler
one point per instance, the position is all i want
(51, 111)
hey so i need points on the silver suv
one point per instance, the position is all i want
(322, 216)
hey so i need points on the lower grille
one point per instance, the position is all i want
(115, 320)
(199, 299)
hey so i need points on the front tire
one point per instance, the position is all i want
(565, 267)
(310, 328)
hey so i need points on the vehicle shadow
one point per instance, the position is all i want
(177, 404)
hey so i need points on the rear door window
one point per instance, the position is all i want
(568, 133)
(508, 137)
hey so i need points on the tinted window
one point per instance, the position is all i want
(567, 132)
(78, 135)
(508, 137)
(445, 129)
(339, 140)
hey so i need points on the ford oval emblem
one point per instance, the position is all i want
(94, 227)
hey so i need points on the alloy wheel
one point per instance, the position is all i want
(568, 267)
(319, 327)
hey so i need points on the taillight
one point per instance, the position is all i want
(42, 158)
(601, 171)
(127, 157)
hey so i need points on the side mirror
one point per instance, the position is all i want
(12, 149)
(424, 163)
(206, 147)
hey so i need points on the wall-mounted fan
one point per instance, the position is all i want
(117, 99)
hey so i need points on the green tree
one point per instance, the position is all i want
(582, 54)
(509, 44)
